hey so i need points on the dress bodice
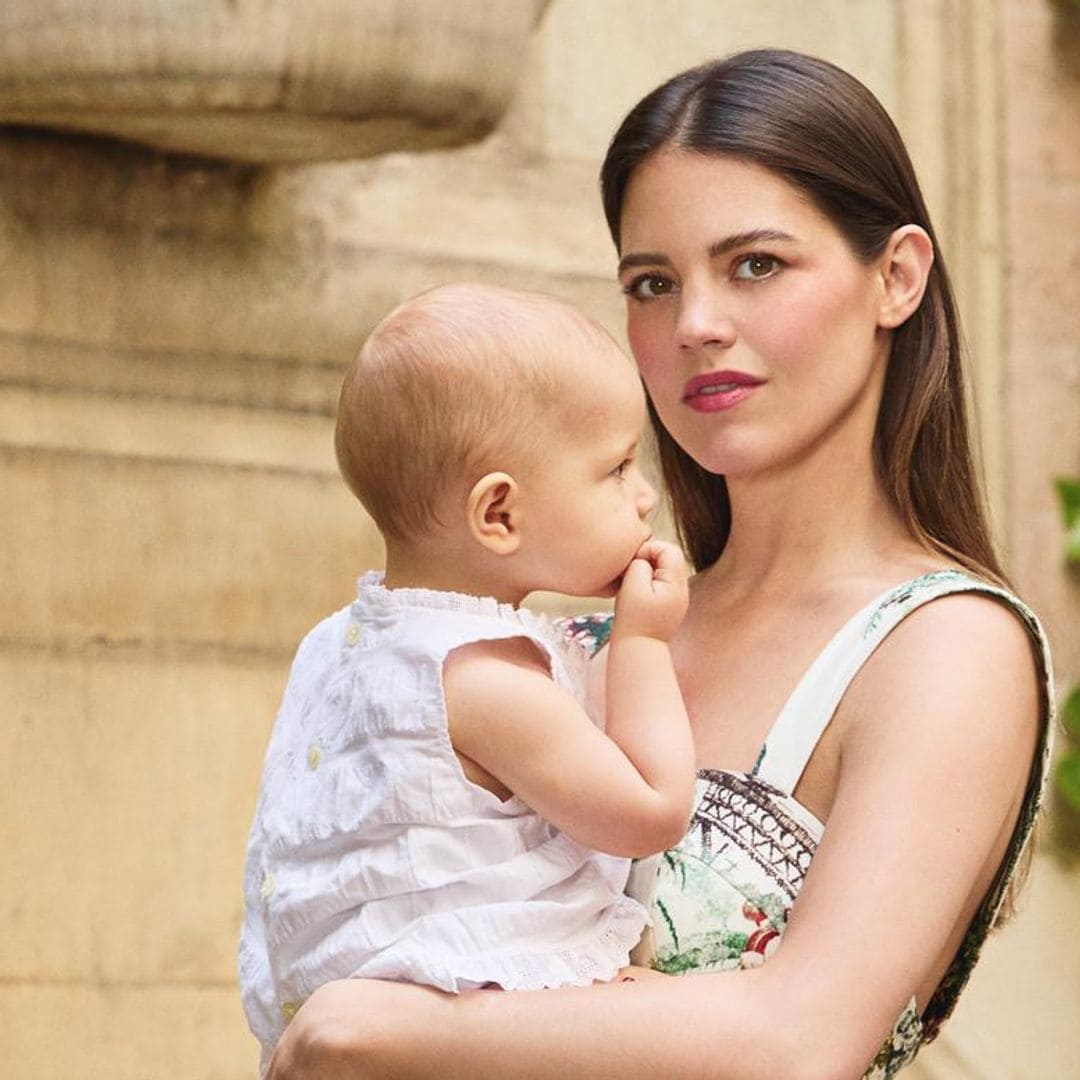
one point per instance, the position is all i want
(720, 899)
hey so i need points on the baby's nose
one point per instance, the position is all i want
(647, 498)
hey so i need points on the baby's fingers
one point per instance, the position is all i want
(665, 559)
(637, 576)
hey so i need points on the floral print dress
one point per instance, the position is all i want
(720, 899)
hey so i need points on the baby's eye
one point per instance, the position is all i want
(620, 470)
(756, 267)
(649, 287)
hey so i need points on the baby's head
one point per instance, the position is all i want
(461, 410)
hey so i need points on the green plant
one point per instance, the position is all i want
(1068, 489)
(1067, 771)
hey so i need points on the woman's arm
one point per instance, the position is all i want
(360, 1030)
(937, 739)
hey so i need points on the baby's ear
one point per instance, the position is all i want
(494, 513)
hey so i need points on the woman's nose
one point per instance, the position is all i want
(702, 321)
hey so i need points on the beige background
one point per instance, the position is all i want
(172, 331)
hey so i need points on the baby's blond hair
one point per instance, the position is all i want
(456, 382)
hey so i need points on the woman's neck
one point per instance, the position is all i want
(813, 522)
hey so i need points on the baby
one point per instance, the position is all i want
(437, 806)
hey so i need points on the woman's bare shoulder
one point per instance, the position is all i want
(971, 628)
(962, 668)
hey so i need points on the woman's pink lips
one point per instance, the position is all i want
(716, 391)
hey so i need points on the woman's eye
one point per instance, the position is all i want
(756, 267)
(649, 287)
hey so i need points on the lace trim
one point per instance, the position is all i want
(598, 961)
(374, 598)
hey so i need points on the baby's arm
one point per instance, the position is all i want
(628, 791)
(643, 706)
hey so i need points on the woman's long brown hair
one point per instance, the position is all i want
(819, 128)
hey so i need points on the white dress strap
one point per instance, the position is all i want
(807, 713)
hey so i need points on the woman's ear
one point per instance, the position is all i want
(905, 266)
(494, 513)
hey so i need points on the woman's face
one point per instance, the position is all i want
(753, 324)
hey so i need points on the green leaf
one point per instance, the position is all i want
(1068, 489)
(1067, 778)
(1070, 713)
(1072, 545)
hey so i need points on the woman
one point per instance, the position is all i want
(794, 327)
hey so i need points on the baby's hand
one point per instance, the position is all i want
(652, 598)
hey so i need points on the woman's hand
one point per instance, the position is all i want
(305, 1050)
(336, 1033)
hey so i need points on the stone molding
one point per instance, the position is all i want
(264, 80)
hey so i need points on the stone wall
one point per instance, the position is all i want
(1018, 1019)
(172, 331)
(264, 80)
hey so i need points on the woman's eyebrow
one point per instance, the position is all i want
(642, 258)
(718, 247)
(747, 239)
